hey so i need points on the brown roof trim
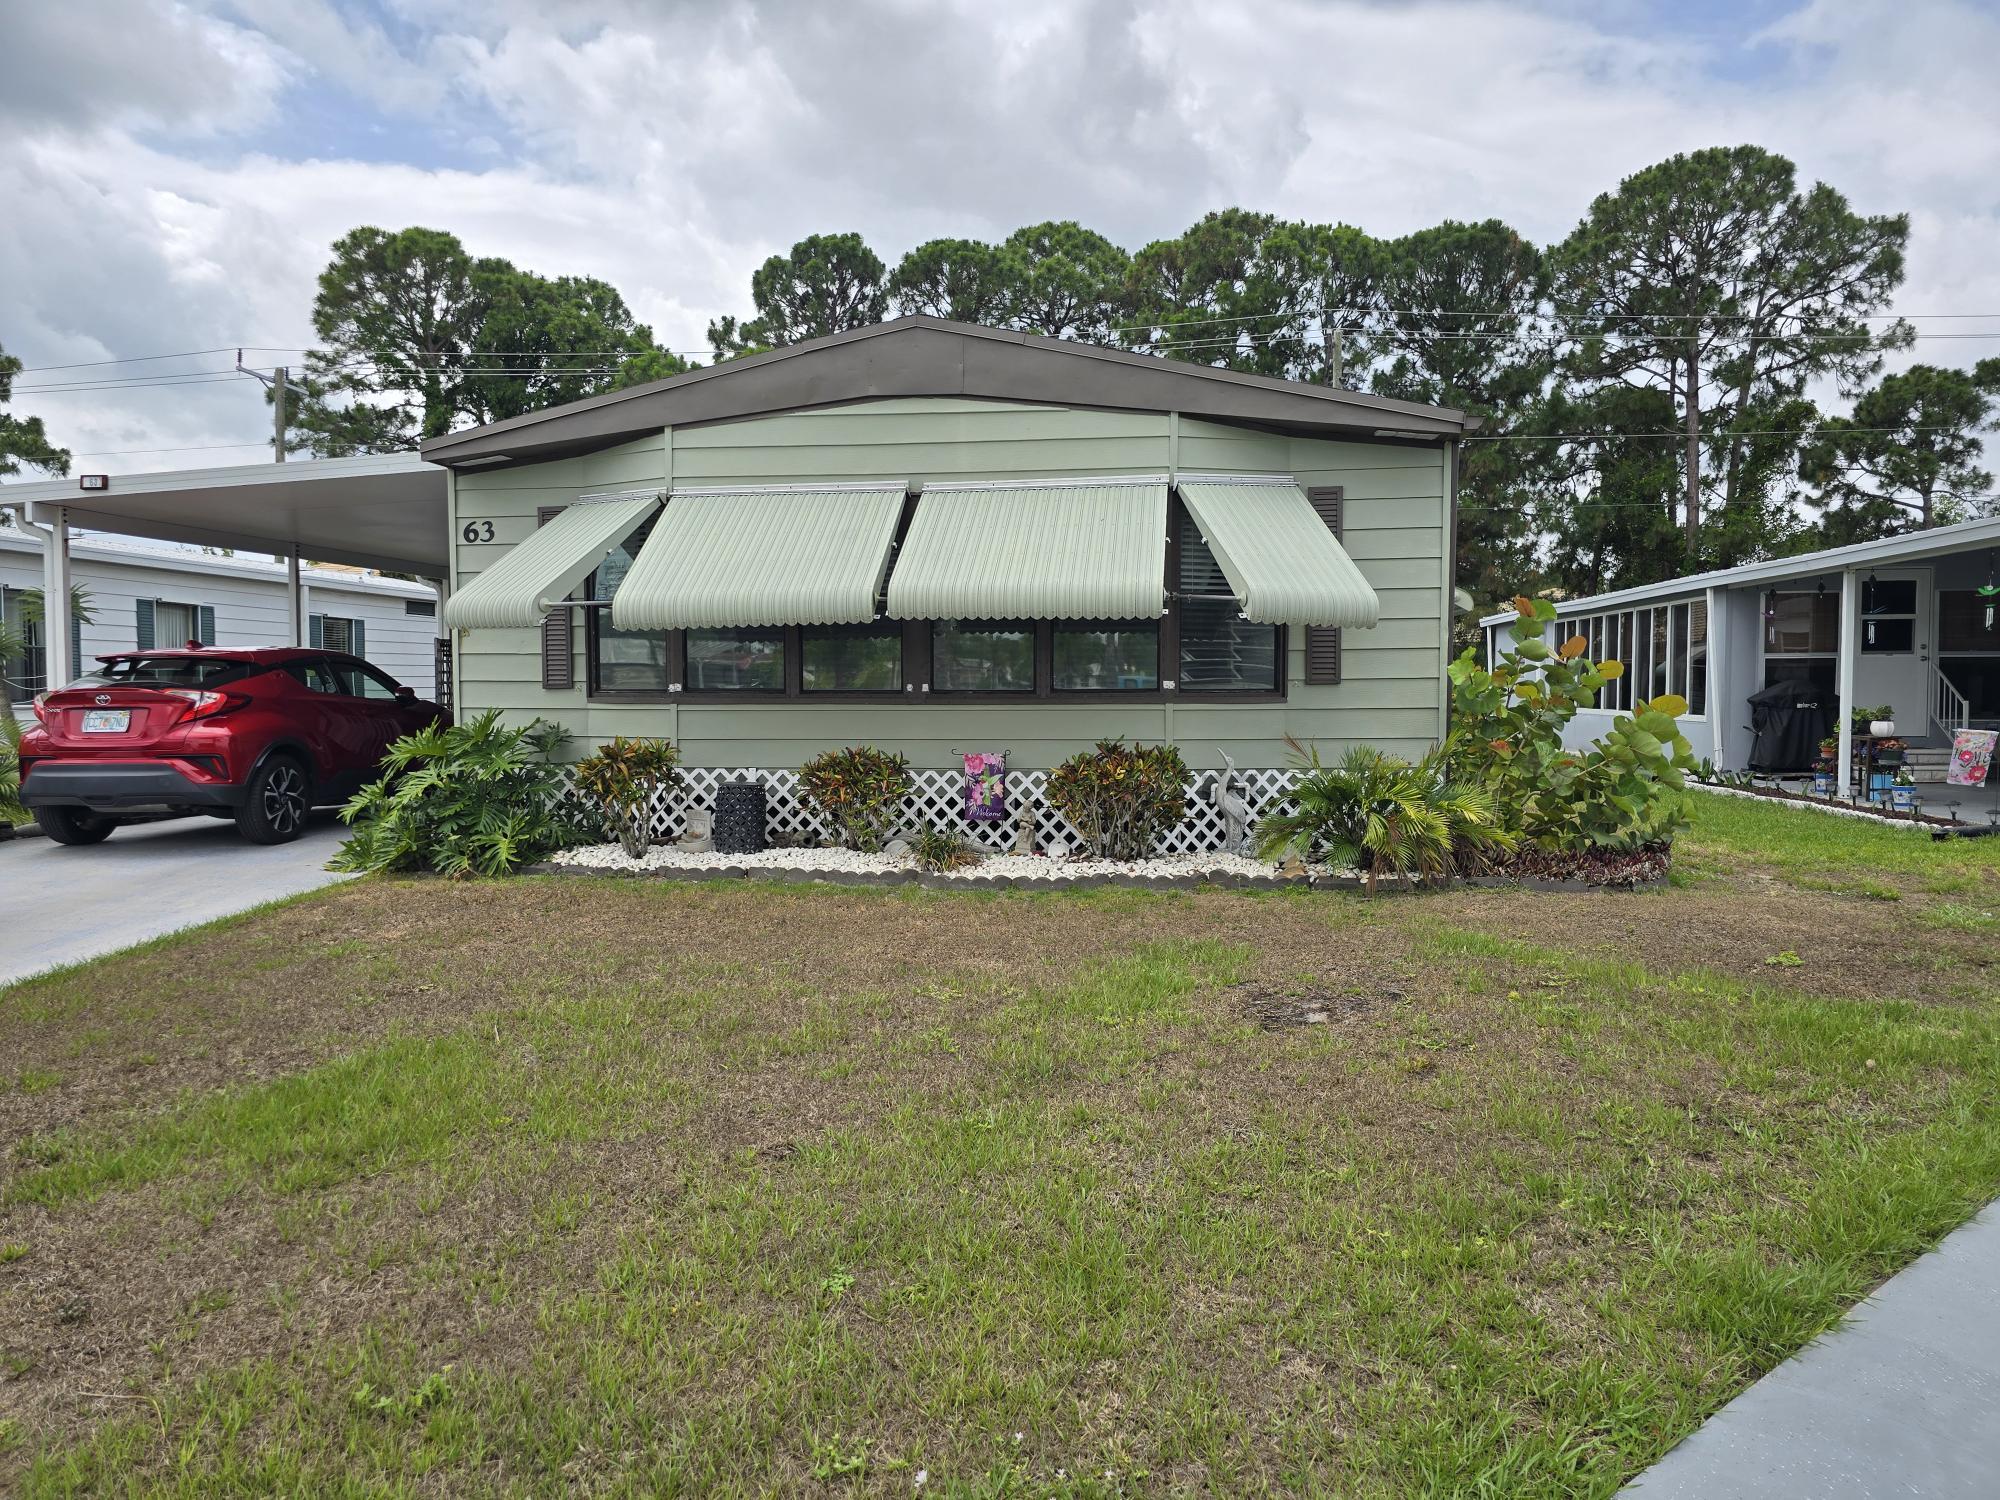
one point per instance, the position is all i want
(925, 356)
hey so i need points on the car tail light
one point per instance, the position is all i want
(205, 705)
(41, 708)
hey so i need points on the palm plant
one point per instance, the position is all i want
(10, 764)
(477, 798)
(1382, 816)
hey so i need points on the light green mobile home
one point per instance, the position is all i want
(936, 538)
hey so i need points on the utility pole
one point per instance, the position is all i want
(1334, 354)
(280, 388)
(1694, 447)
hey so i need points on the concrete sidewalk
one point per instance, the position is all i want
(64, 904)
(1902, 1399)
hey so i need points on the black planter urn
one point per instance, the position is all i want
(739, 817)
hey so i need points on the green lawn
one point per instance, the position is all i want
(558, 1186)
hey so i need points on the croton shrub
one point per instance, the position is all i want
(1624, 792)
(621, 781)
(1121, 797)
(859, 790)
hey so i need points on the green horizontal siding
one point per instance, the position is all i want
(1394, 527)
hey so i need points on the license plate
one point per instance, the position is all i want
(107, 720)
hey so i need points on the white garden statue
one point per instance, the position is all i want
(1230, 802)
(698, 837)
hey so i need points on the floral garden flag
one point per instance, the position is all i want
(985, 786)
(1971, 757)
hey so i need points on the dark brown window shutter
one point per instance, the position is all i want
(558, 648)
(1323, 641)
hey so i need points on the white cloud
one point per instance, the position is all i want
(669, 148)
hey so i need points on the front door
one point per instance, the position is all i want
(1893, 667)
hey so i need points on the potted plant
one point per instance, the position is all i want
(1903, 793)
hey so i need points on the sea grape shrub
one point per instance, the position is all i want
(1625, 791)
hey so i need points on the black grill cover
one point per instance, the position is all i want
(1789, 719)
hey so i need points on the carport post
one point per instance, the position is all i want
(1846, 644)
(57, 668)
(295, 598)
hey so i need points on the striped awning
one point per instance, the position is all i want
(1045, 549)
(533, 575)
(775, 555)
(1281, 559)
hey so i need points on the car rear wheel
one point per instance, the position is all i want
(277, 801)
(75, 825)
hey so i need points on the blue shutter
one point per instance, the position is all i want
(143, 631)
(316, 632)
(204, 624)
(357, 642)
(76, 667)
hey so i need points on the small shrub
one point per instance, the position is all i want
(860, 790)
(621, 781)
(1121, 797)
(939, 849)
(1382, 816)
(474, 799)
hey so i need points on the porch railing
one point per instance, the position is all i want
(1951, 710)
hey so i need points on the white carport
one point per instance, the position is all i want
(385, 511)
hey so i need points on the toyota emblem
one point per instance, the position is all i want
(103, 697)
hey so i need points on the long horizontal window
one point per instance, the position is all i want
(728, 661)
(1111, 657)
(851, 658)
(975, 657)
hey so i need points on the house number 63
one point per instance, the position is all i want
(478, 531)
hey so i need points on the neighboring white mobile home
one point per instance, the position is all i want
(141, 596)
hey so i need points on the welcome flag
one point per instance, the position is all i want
(1971, 757)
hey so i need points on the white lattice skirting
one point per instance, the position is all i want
(937, 799)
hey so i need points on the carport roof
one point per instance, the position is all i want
(383, 511)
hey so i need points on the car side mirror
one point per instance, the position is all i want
(406, 695)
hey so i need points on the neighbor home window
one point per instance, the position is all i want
(1663, 649)
(623, 661)
(1801, 634)
(1113, 656)
(749, 661)
(23, 676)
(851, 658)
(423, 609)
(1220, 650)
(1969, 648)
(333, 633)
(974, 656)
(1888, 616)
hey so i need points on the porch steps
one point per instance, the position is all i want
(1926, 763)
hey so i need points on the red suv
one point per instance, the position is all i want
(261, 736)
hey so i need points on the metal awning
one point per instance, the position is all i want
(1061, 549)
(535, 574)
(761, 556)
(1283, 564)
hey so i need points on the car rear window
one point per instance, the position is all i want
(165, 672)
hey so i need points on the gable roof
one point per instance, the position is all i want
(925, 356)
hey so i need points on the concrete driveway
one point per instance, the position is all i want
(58, 905)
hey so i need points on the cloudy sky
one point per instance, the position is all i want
(173, 174)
